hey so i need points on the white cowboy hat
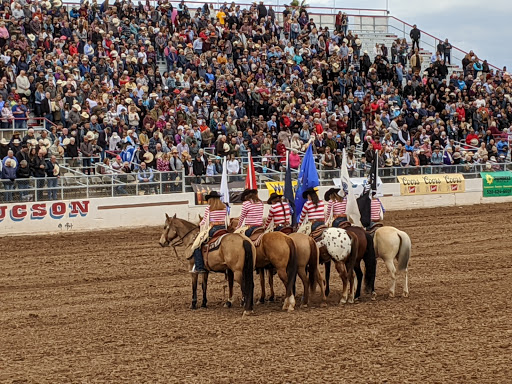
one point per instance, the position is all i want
(4, 141)
(57, 3)
(148, 157)
(115, 135)
(66, 141)
(31, 37)
(128, 100)
(90, 135)
(56, 170)
(85, 115)
(113, 53)
(357, 139)
(47, 143)
(116, 21)
(77, 107)
(153, 94)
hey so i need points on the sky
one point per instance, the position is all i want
(464, 22)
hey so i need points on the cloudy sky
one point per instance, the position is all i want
(482, 26)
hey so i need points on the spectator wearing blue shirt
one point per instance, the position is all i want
(502, 145)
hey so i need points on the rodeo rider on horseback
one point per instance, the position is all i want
(312, 211)
(252, 212)
(279, 214)
(214, 219)
(336, 207)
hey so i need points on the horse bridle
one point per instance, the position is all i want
(180, 242)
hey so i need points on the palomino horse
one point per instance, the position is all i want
(235, 256)
(278, 250)
(342, 247)
(391, 243)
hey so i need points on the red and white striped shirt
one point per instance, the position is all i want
(251, 215)
(214, 216)
(336, 208)
(312, 212)
(280, 213)
(375, 210)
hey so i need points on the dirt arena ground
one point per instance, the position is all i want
(113, 307)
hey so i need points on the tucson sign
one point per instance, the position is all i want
(39, 211)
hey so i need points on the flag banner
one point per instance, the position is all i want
(364, 203)
(235, 191)
(289, 189)
(431, 184)
(250, 180)
(352, 210)
(308, 178)
(360, 184)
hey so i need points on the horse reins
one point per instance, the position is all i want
(180, 242)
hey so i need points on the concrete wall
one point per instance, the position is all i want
(140, 211)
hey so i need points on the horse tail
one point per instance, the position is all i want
(354, 250)
(292, 266)
(247, 272)
(404, 251)
(312, 263)
(370, 262)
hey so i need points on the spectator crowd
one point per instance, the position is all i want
(235, 80)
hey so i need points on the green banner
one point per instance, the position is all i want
(496, 184)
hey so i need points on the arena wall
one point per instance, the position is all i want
(137, 211)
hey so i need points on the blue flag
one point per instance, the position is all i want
(288, 193)
(308, 178)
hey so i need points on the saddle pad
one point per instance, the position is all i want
(317, 233)
(286, 230)
(242, 229)
(214, 242)
(305, 228)
(373, 228)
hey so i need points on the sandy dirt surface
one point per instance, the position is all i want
(112, 306)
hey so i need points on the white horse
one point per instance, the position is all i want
(391, 243)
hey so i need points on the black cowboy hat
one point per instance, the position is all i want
(330, 192)
(247, 192)
(308, 192)
(273, 197)
(212, 194)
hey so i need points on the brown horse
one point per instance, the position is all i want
(277, 250)
(235, 256)
(307, 260)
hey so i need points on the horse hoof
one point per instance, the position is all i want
(290, 309)
(405, 294)
(343, 301)
(323, 305)
(246, 313)
(204, 306)
(350, 301)
(391, 294)
(374, 296)
(228, 304)
(304, 306)
(193, 306)
(261, 301)
(271, 299)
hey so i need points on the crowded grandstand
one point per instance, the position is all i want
(124, 94)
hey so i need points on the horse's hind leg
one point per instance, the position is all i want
(204, 285)
(321, 283)
(406, 284)
(289, 301)
(231, 278)
(327, 277)
(359, 275)
(194, 291)
(305, 283)
(342, 271)
(271, 284)
(390, 265)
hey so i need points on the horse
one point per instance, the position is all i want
(390, 244)
(366, 253)
(342, 247)
(235, 256)
(277, 250)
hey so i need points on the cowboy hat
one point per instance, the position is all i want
(330, 192)
(357, 139)
(212, 195)
(31, 37)
(389, 162)
(3, 141)
(153, 94)
(274, 196)
(56, 169)
(85, 115)
(90, 135)
(308, 192)
(16, 141)
(47, 143)
(128, 100)
(248, 192)
(66, 141)
(77, 107)
(148, 157)
(57, 3)
(116, 21)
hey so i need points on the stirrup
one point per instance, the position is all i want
(193, 270)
